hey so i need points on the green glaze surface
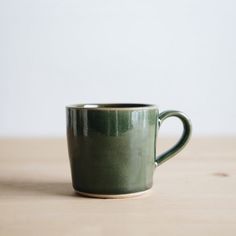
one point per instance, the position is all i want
(112, 147)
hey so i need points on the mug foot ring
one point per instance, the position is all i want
(113, 196)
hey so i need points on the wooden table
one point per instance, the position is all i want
(193, 194)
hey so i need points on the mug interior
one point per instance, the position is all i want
(112, 106)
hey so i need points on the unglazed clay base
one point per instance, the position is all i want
(113, 196)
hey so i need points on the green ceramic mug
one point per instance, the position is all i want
(112, 147)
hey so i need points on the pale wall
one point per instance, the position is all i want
(177, 54)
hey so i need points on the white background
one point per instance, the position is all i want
(177, 54)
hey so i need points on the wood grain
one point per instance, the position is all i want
(193, 194)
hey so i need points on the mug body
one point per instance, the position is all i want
(112, 147)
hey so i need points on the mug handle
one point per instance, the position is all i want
(182, 141)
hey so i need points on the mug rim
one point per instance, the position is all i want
(112, 106)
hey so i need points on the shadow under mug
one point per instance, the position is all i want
(112, 147)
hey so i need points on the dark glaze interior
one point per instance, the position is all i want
(112, 105)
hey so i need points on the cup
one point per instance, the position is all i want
(112, 147)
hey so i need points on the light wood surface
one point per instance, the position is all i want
(193, 193)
